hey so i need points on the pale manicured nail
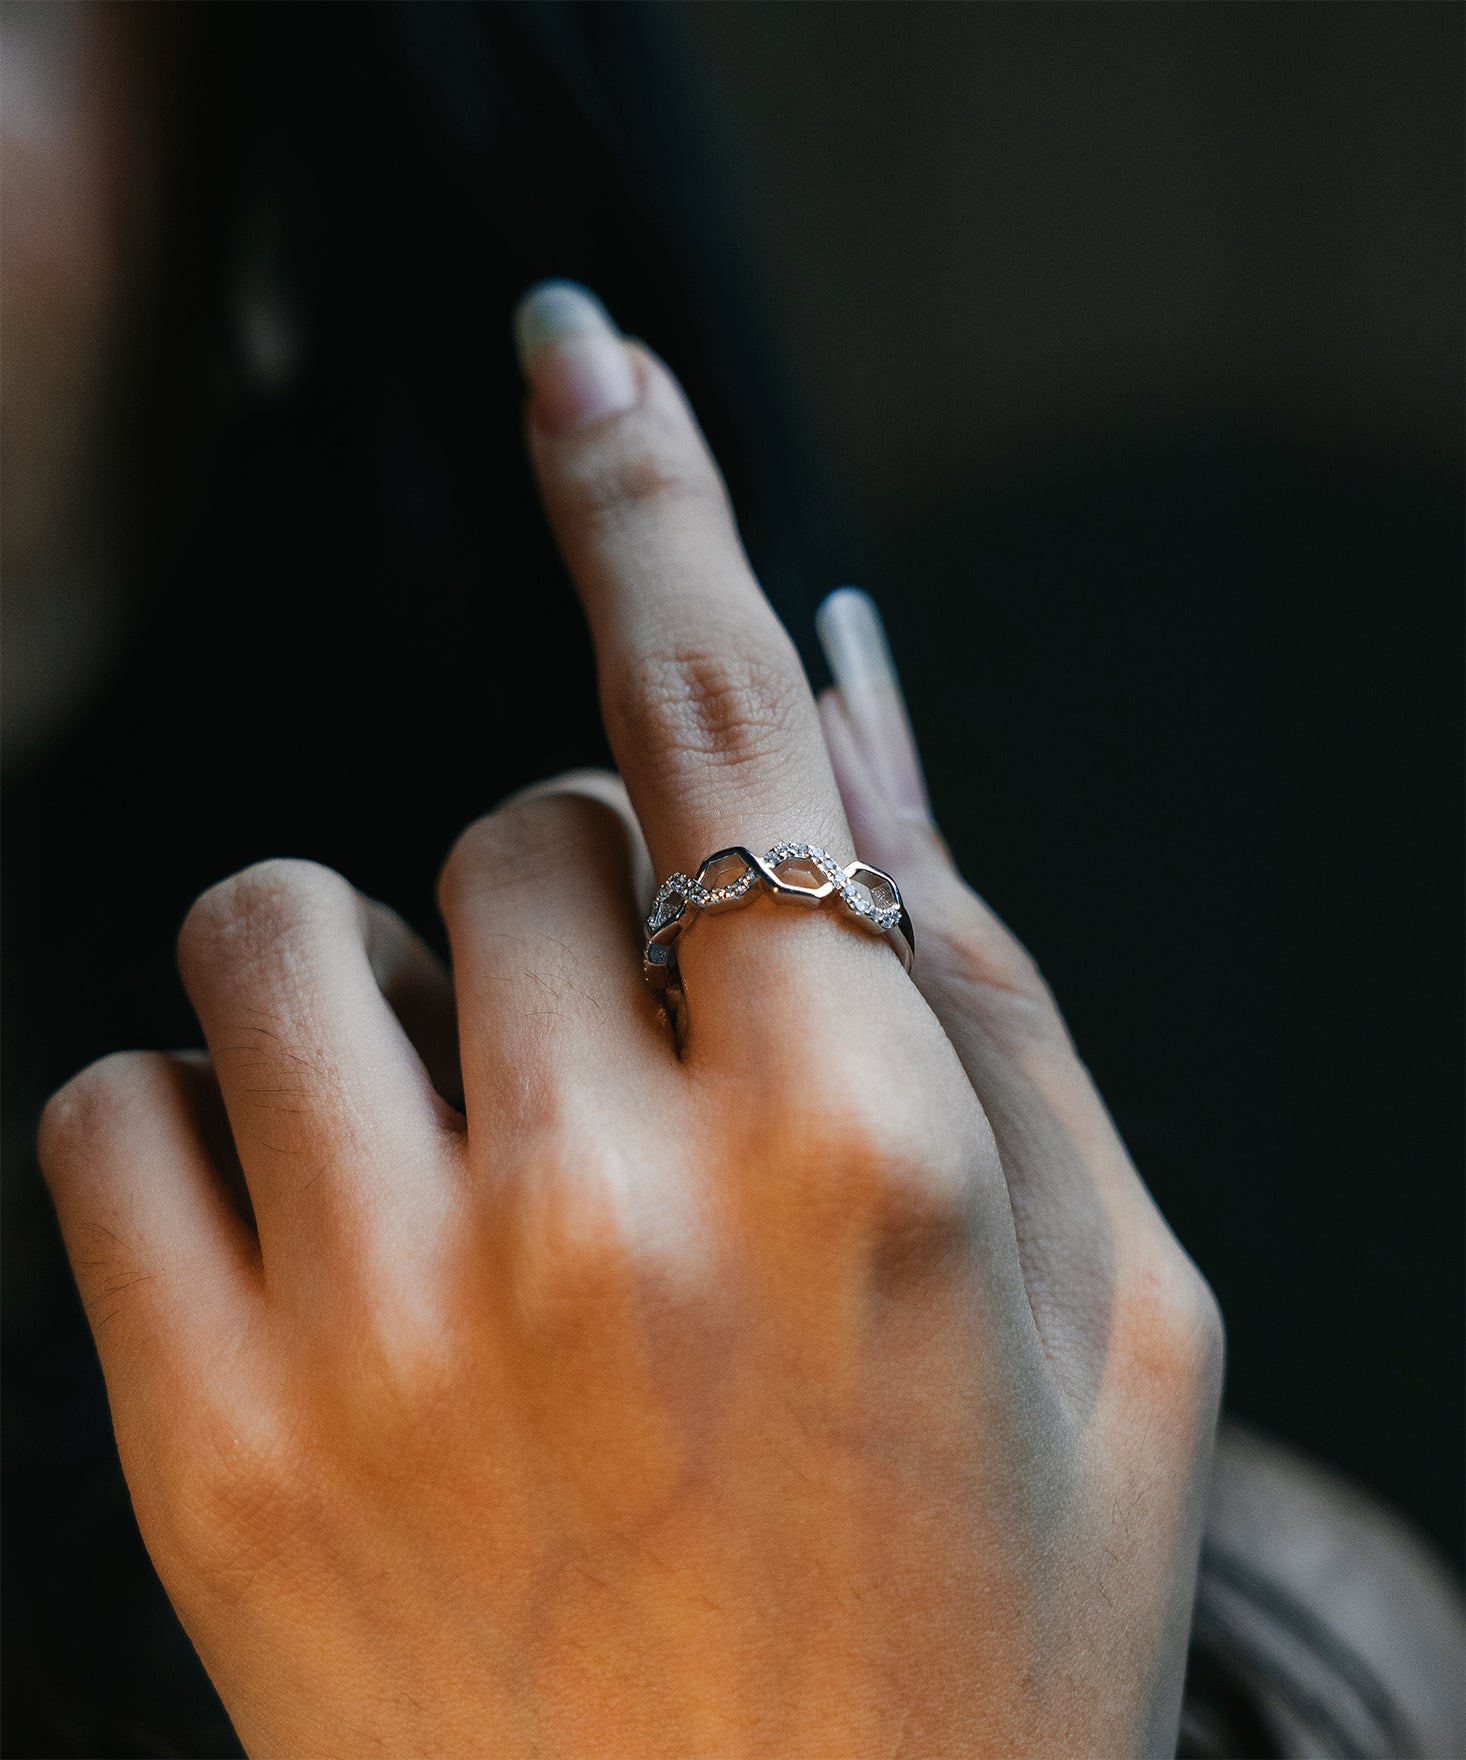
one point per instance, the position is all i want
(859, 657)
(573, 356)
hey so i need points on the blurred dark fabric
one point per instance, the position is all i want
(349, 635)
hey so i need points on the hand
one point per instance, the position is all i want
(833, 1389)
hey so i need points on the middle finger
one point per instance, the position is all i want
(705, 700)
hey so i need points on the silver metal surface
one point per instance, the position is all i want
(868, 896)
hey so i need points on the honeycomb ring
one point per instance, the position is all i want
(731, 877)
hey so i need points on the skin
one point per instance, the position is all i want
(833, 1389)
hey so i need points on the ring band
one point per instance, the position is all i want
(801, 873)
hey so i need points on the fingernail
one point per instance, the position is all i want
(859, 656)
(573, 356)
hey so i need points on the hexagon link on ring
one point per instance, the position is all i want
(730, 877)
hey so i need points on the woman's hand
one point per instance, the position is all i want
(832, 1390)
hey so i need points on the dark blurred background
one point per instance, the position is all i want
(1117, 350)
(1133, 335)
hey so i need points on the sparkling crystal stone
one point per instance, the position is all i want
(667, 910)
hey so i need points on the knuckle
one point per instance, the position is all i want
(586, 785)
(229, 1500)
(555, 829)
(652, 476)
(577, 1263)
(698, 701)
(994, 979)
(870, 1157)
(1207, 1326)
(987, 956)
(261, 907)
(471, 864)
(587, 1246)
(1172, 1326)
(79, 1116)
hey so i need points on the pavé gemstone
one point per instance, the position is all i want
(732, 874)
(873, 895)
(670, 903)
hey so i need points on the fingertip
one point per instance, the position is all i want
(551, 311)
(853, 637)
(575, 361)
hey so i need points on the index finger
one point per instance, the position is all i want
(705, 700)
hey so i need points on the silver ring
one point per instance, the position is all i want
(797, 873)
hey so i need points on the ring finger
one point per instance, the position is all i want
(543, 918)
